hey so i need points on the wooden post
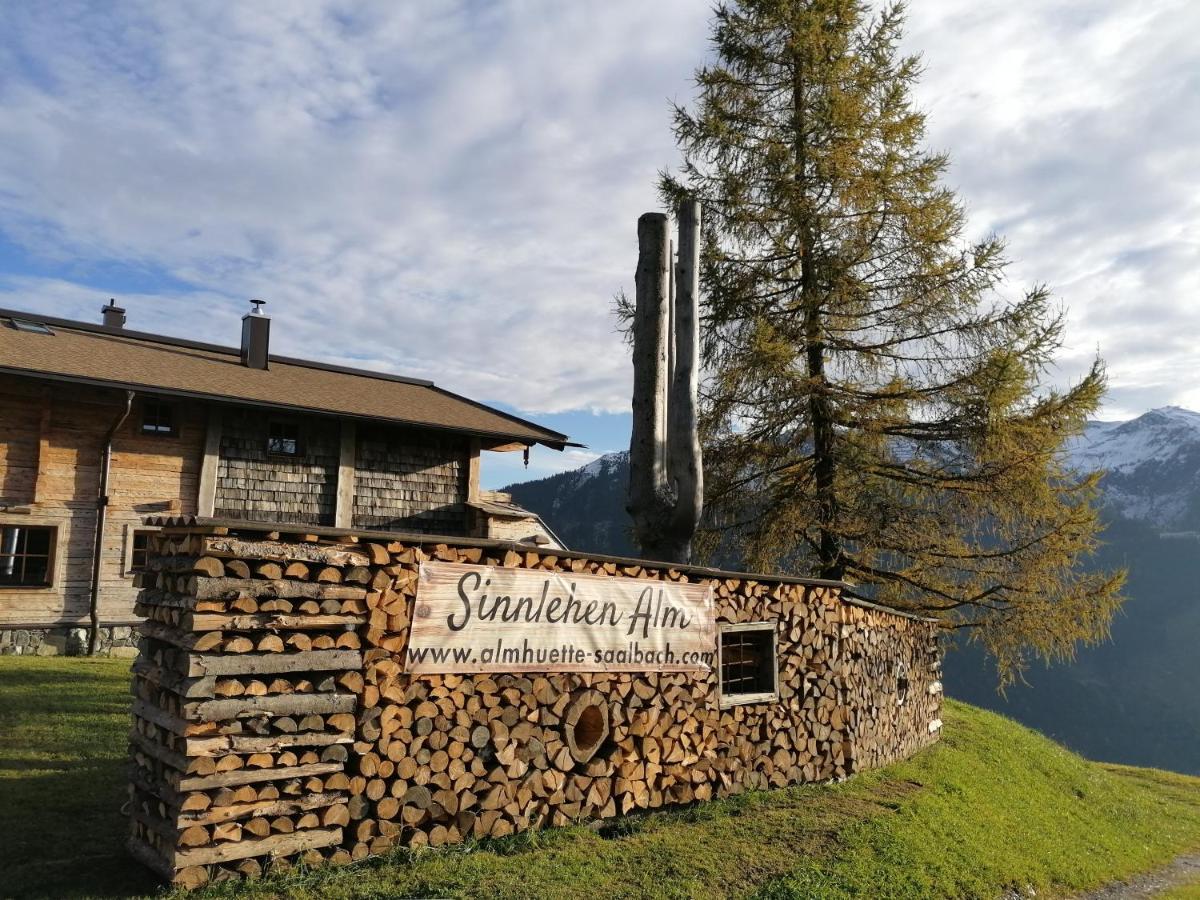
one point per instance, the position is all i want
(206, 500)
(344, 514)
(667, 398)
(473, 471)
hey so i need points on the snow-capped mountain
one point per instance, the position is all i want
(1152, 466)
(585, 505)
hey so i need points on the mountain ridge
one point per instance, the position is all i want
(1151, 464)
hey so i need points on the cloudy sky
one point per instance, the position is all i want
(450, 190)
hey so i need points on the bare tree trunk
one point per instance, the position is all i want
(665, 483)
(666, 410)
(683, 436)
(647, 446)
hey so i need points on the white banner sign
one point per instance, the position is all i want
(492, 619)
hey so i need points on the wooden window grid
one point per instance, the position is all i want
(139, 551)
(27, 555)
(158, 418)
(749, 663)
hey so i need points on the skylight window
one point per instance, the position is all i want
(30, 327)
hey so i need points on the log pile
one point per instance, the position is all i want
(245, 692)
(244, 747)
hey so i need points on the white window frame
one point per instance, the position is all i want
(730, 700)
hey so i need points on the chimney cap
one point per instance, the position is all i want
(114, 316)
(258, 305)
(256, 338)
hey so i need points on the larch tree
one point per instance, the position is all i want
(875, 408)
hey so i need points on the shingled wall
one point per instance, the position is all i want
(409, 480)
(274, 717)
(253, 484)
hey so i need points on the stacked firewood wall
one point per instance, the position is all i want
(434, 760)
(245, 693)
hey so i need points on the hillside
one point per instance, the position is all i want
(1131, 700)
(993, 806)
(1134, 698)
(585, 507)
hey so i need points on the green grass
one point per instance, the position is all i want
(993, 806)
(63, 728)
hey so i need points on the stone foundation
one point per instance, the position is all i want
(115, 640)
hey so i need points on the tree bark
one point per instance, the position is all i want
(647, 446)
(829, 551)
(683, 442)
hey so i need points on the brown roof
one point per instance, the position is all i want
(500, 503)
(94, 354)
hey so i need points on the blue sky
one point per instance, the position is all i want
(450, 190)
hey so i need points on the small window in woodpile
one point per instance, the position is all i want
(749, 666)
(283, 438)
(139, 551)
(158, 418)
(901, 684)
(26, 556)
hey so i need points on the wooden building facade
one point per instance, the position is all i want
(102, 427)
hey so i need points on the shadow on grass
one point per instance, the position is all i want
(64, 833)
(63, 728)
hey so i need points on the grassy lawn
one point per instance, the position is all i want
(63, 727)
(993, 806)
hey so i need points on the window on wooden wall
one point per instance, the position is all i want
(158, 418)
(139, 551)
(283, 438)
(749, 663)
(26, 555)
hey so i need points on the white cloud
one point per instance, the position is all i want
(1071, 126)
(450, 190)
(451, 195)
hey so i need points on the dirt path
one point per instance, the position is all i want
(1184, 870)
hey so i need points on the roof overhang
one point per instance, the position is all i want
(428, 412)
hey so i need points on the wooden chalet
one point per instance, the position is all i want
(103, 426)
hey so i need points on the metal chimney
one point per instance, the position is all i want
(256, 337)
(114, 316)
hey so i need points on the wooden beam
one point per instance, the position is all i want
(272, 663)
(206, 500)
(285, 807)
(193, 621)
(255, 776)
(282, 705)
(40, 476)
(275, 845)
(344, 515)
(473, 471)
(238, 743)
